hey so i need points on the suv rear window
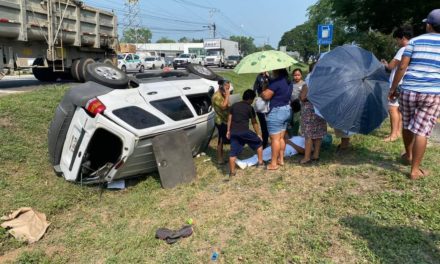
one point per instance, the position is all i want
(137, 117)
(175, 108)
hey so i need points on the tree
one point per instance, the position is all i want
(140, 35)
(265, 47)
(183, 40)
(165, 40)
(382, 15)
(303, 38)
(245, 44)
(187, 40)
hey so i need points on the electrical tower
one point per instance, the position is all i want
(131, 16)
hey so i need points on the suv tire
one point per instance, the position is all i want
(202, 71)
(107, 75)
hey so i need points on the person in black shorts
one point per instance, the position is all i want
(239, 132)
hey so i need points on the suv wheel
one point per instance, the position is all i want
(107, 75)
(202, 71)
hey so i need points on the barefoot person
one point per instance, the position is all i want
(402, 36)
(278, 92)
(420, 92)
(313, 126)
(239, 132)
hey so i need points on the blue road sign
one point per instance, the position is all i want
(325, 34)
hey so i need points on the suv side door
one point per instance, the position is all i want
(129, 60)
(136, 62)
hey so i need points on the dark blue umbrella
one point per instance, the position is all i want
(349, 87)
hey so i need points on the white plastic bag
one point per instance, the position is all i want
(261, 105)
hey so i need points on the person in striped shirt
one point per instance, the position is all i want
(419, 92)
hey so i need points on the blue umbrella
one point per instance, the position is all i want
(349, 87)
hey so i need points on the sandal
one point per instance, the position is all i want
(301, 162)
(259, 165)
(404, 159)
(273, 168)
(390, 139)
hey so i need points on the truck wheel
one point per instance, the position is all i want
(202, 71)
(162, 66)
(107, 75)
(141, 69)
(83, 62)
(74, 70)
(106, 60)
(43, 74)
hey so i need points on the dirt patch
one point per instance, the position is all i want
(5, 122)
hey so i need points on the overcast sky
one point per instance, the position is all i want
(265, 21)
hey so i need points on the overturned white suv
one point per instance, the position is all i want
(101, 134)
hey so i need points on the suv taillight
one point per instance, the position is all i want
(94, 107)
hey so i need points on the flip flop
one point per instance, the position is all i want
(272, 169)
(171, 236)
(390, 139)
(405, 160)
(304, 163)
(259, 165)
(424, 174)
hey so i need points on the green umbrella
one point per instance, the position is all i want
(264, 61)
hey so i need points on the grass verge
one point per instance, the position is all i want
(354, 208)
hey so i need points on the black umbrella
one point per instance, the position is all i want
(349, 87)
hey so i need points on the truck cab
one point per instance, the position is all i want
(186, 58)
(215, 57)
(217, 50)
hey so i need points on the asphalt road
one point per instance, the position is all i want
(23, 83)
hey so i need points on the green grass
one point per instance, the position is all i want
(356, 208)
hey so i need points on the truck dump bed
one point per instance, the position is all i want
(65, 22)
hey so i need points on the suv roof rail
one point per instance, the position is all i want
(162, 74)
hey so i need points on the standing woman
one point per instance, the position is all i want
(313, 127)
(220, 102)
(278, 92)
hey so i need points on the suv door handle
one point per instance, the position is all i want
(186, 88)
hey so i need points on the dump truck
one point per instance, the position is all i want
(55, 38)
(217, 50)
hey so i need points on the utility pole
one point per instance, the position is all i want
(212, 26)
(131, 18)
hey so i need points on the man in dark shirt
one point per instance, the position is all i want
(239, 132)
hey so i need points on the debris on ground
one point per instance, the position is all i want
(172, 236)
(26, 224)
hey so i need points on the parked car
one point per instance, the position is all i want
(185, 59)
(101, 134)
(232, 61)
(154, 62)
(169, 61)
(130, 62)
